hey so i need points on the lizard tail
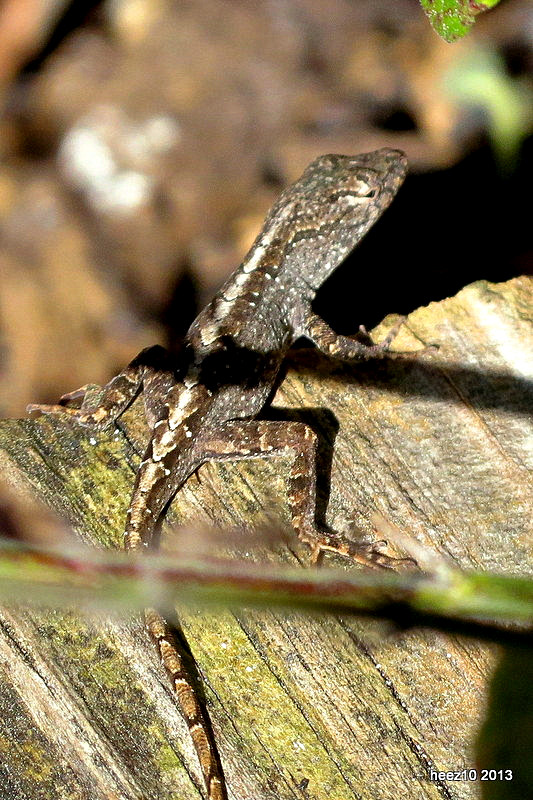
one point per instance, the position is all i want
(187, 699)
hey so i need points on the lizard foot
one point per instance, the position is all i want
(76, 406)
(367, 553)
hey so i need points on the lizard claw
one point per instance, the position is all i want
(373, 553)
(77, 396)
(46, 409)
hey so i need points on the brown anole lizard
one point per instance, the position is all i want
(205, 405)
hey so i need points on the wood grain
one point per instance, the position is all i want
(302, 707)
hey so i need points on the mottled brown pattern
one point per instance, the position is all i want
(202, 407)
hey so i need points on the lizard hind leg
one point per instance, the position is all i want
(265, 439)
(114, 398)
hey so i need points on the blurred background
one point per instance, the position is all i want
(143, 141)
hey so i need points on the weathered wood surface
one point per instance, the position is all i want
(302, 707)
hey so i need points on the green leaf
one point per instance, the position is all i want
(479, 79)
(452, 19)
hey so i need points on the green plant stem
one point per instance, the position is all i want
(494, 607)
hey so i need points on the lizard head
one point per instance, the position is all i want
(331, 207)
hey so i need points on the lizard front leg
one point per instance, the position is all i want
(343, 347)
(265, 439)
